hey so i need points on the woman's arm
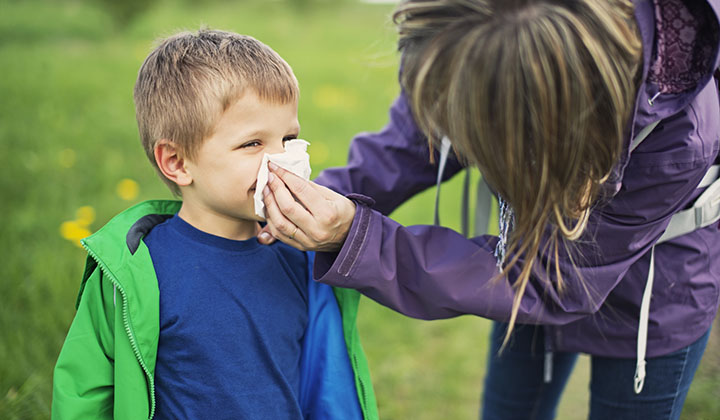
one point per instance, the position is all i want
(433, 272)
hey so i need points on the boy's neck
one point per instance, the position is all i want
(218, 224)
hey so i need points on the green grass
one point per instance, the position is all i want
(68, 137)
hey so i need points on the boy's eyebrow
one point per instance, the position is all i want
(295, 129)
(256, 133)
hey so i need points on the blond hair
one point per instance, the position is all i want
(537, 94)
(190, 79)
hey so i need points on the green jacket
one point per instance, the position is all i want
(106, 366)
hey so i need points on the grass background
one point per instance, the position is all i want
(70, 159)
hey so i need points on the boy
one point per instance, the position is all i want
(181, 313)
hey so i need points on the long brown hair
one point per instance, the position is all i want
(536, 94)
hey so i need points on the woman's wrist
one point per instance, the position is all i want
(339, 260)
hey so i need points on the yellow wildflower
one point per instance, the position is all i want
(85, 215)
(73, 231)
(127, 189)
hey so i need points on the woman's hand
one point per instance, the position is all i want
(305, 215)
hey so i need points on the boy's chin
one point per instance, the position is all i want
(257, 218)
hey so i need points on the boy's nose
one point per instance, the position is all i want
(276, 148)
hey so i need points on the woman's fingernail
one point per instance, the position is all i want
(265, 236)
(271, 177)
(266, 190)
(273, 166)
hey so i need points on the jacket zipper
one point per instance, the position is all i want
(126, 325)
(363, 394)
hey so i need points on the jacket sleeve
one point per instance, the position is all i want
(390, 166)
(83, 376)
(433, 272)
(327, 381)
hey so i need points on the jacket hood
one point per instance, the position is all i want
(647, 112)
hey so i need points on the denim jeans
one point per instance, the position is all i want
(515, 390)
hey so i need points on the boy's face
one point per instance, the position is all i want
(224, 169)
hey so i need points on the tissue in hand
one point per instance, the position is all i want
(294, 159)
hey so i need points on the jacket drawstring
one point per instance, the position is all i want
(484, 197)
(548, 361)
(444, 152)
(643, 326)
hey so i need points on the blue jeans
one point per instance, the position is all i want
(514, 387)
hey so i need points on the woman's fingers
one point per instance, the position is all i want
(280, 226)
(321, 203)
(296, 240)
(321, 220)
(286, 202)
(311, 198)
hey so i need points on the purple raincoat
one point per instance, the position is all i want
(433, 272)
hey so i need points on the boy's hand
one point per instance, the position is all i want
(305, 215)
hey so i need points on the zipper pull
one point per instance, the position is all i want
(651, 101)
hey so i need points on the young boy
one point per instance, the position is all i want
(182, 314)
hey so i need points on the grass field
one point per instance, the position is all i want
(70, 159)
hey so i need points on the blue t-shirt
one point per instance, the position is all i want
(232, 319)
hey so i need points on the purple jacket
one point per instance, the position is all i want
(433, 272)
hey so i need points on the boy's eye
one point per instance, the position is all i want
(290, 137)
(253, 143)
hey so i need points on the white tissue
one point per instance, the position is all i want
(294, 159)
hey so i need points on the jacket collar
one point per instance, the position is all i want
(116, 244)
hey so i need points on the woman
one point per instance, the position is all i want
(595, 122)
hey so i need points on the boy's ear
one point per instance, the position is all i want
(171, 162)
